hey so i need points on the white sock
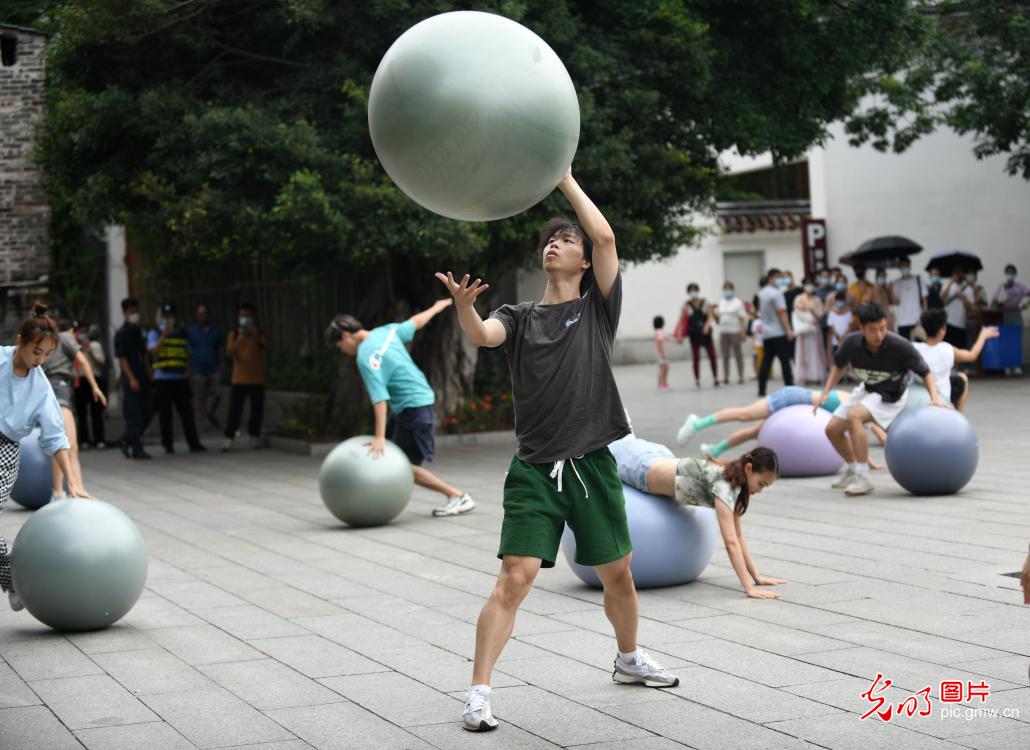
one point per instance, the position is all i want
(853, 466)
(479, 688)
(630, 657)
(862, 469)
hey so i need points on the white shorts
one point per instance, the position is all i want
(883, 413)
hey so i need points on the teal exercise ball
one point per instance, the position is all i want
(79, 564)
(34, 485)
(365, 490)
(473, 116)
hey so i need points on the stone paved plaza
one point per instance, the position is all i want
(267, 625)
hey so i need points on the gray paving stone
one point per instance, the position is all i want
(358, 633)
(266, 684)
(290, 602)
(704, 728)
(150, 671)
(344, 726)
(1013, 739)
(754, 664)
(215, 718)
(203, 644)
(248, 622)
(194, 595)
(284, 745)
(451, 736)
(118, 637)
(47, 657)
(779, 639)
(1008, 668)
(314, 656)
(593, 649)
(396, 698)
(651, 634)
(559, 720)
(155, 612)
(914, 645)
(591, 686)
(235, 578)
(34, 728)
(847, 732)
(155, 735)
(93, 701)
(440, 669)
(13, 690)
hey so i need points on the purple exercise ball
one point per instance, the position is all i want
(799, 439)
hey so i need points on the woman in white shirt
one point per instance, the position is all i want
(731, 323)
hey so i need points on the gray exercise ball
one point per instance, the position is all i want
(672, 544)
(79, 564)
(363, 490)
(473, 116)
(34, 485)
(932, 450)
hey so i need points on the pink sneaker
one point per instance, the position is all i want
(663, 387)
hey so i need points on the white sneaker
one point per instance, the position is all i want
(455, 505)
(687, 431)
(477, 716)
(15, 601)
(845, 480)
(706, 450)
(644, 670)
(860, 486)
(227, 445)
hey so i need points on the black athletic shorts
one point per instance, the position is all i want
(412, 430)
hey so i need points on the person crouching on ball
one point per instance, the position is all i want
(726, 487)
(27, 399)
(395, 384)
(568, 411)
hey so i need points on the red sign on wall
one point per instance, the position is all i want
(813, 245)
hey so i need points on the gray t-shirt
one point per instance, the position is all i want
(770, 301)
(560, 357)
(883, 371)
(62, 362)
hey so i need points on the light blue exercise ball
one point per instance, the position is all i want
(79, 564)
(34, 485)
(473, 116)
(364, 490)
(672, 544)
(932, 450)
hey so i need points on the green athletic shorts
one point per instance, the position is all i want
(535, 512)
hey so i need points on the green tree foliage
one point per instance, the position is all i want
(971, 73)
(235, 130)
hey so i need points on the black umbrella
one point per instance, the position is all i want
(881, 252)
(947, 261)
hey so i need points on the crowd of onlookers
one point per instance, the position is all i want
(801, 325)
(168, 366)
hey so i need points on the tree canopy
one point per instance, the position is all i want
(237, 128)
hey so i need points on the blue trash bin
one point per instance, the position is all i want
(1006, 350)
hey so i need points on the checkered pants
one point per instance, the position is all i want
(10, 457)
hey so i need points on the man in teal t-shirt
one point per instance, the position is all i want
(401, 397)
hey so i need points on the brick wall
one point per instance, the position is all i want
(24, 210)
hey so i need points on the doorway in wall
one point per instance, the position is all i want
(744, 269)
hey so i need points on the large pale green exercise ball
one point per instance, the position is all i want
(364, 490)
(473, 116)
(79, 564)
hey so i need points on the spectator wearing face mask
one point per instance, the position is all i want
(934, 300)
(861, 290)
(130, 349)
(696, 322)
(911, 298)
(777, 333)
(810, 354)
(246, 345)
(959, 299)
(884, 297)
(1012, 298)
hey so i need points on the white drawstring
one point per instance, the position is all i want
(559, 470)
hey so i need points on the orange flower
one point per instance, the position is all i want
(488, 398)
(472, 406)
(486, 406)
(452, 420)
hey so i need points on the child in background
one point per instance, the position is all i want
(755, 328)
(840, 321)
(663, 359)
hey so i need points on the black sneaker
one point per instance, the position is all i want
(142, 454)
(198, 448)
(126, 451)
